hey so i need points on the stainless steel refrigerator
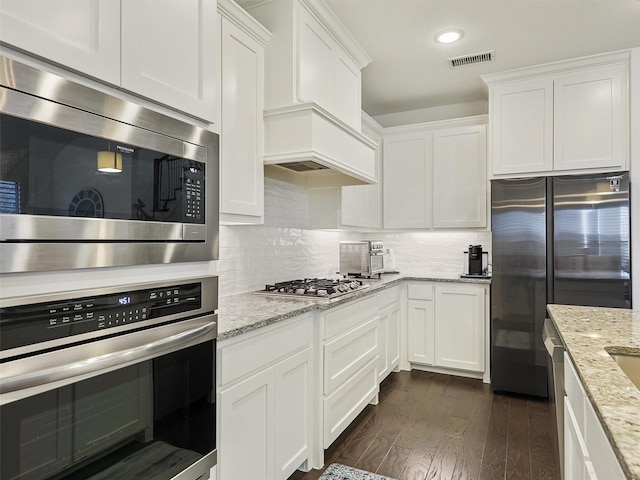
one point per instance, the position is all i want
(559, 240)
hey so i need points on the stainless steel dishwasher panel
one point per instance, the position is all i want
(555, 349)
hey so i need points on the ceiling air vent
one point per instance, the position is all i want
(473, 58)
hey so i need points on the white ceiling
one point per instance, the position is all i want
(410, 71)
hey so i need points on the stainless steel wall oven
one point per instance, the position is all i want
(91, 180)
(110, 383)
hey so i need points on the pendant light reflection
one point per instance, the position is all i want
(109, 162)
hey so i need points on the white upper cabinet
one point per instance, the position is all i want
(157, 49)
(560, 117)
(82, 35)
(346, 87)
(167, 53)
(242, 42)
(434, 175)
(406, 173)
(315, 59)
(522, 127)
(460, 177)
(590, 119)
(328, 75)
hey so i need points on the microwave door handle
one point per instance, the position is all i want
(95, 365)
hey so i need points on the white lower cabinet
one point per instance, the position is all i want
(247, 425)
(350, 350)
(447, 326)
(265, 389)
(587, 451)
(389, 337)
(293, 377)
(420, 324)
(576, 457)
(459, 327)
(343, 406)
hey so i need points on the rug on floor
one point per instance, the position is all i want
(337, 471)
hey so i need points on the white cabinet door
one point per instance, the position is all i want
(460, 177)
(389, 340)
(576, 456)
(246, 428)
(360, 206)
(346, 89)
(82, 35)
(293, 383)
(327, 75)
(460, 327)
(521, 120)
(315, 61)
(393, 337)
(420, 331)
(168, 53)
(603, 458)
(407, 169)
(242, 130)
(589, 119)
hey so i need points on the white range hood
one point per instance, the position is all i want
(308, 140)
(313, 90)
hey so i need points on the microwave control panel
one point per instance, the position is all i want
(193, 209)
(34, 323)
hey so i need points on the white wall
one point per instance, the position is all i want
(432, 254)
(442, 112)
(284, 249)
(252, 256)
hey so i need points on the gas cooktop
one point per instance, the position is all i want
(315, 287)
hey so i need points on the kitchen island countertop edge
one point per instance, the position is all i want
(588, 333)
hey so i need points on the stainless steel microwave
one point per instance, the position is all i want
(91, 180)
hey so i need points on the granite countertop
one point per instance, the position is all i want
(244, 312)
(586, 332)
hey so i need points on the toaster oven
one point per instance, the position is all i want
(364, 258)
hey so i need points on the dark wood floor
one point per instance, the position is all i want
(431, 426)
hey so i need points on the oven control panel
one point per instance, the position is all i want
(29, 324)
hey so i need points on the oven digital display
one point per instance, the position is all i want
(124, 300)
(30, 324)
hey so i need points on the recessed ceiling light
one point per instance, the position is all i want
(449, 36)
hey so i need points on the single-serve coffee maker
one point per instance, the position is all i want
(476, 261)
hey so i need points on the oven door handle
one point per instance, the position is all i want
(110, 361)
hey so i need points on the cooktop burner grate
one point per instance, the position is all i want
(315, 287)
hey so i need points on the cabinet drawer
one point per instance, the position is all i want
(420, 292)
(345, 355)
(238, 358)
(341, 407)
(575, 393)
(341, 319)
(388, 297)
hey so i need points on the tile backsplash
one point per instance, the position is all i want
(252, 256)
